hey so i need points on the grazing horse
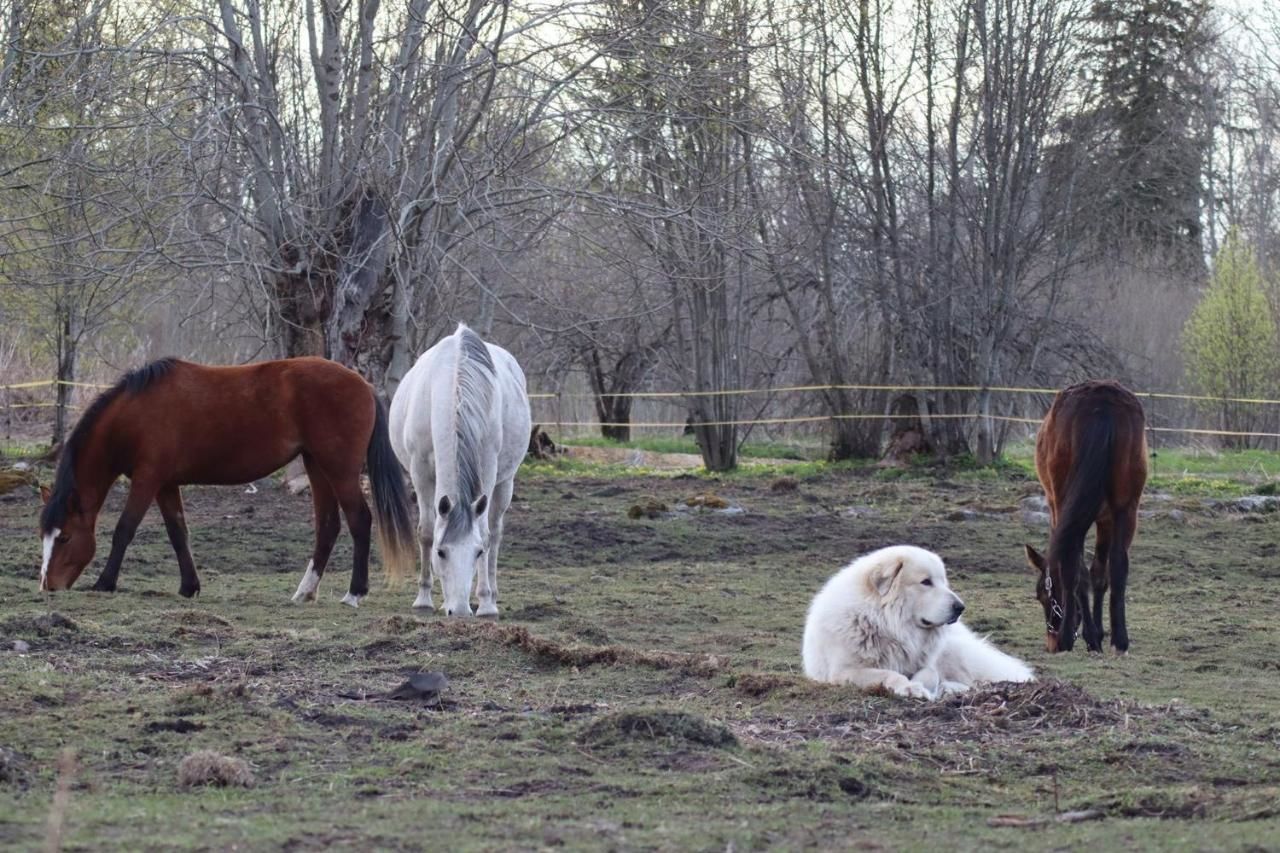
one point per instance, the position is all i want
(460, 424)
(172, 423)
(1091, 458)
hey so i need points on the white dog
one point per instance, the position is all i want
(889, 619)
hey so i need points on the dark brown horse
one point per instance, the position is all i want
(1091, 457)
(172, 423)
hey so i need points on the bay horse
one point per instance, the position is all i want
(1091, 458)
(460, 424)
(173, 423)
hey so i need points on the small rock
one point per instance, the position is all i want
(962, 515)
(425, 686)
(1036, 519)
(1256, 503)
(21, 646)
(1034, 503)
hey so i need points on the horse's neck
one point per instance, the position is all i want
(93, 481)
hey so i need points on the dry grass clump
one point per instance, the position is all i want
(581, 654)
(648, 508)
(707, 500)
(11, 480)
(206, 767)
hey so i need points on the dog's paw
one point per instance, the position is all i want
(902, 686)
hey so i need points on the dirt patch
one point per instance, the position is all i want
(582, 655)
(178, 726)
(13, 768)
(659, 725)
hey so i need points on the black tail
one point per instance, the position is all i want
(390, 500)
(1093, 447)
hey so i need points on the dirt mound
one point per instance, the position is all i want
(1057, 703)
(1013, 712)
(582, 655)
(197, 623)
(44, 625)
(659, 725)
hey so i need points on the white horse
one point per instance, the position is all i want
(460, 426)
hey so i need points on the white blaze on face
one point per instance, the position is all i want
(48, 554)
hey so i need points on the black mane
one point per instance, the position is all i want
(64, 482)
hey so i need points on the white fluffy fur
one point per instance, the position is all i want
(889, 620)
(456, 426)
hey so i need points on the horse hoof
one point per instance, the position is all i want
(189, 593)
(102, 587)
(490, 616)
(352, 601)
(1120, 653)
(423, 602)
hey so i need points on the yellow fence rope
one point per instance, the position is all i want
(784, 389)
(787, 389)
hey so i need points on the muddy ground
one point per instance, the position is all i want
(642, 689)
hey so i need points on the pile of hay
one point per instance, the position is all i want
(206, 767)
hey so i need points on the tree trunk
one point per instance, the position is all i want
(615, 417)
(986, 454)
(66, 374)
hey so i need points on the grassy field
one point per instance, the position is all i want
(642, 688)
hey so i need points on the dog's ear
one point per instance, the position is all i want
(883, 576)
(1034, 559)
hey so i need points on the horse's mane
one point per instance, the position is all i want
(64, 491)
(474, 380)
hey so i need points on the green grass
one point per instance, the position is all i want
(544, 743)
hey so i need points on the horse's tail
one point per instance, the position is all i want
(390, 500)
(1090, 477)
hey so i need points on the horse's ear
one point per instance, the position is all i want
(883, 576)
(45, 493)
(1034, 559)
(481, 504)
(444, 505)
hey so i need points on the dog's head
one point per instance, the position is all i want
(913, 581)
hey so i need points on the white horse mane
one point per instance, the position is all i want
(473, 387)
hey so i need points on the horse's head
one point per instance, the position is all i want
(460, 539)
(69, 540)
(1050, 599)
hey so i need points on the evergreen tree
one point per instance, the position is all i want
(1148, 58)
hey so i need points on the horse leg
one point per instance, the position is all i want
(424, 484)
(1126, 524)
(488, 581)
(360, 523)
(1098, 570)
(141, 493)
(169, 499)
(327, 524)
